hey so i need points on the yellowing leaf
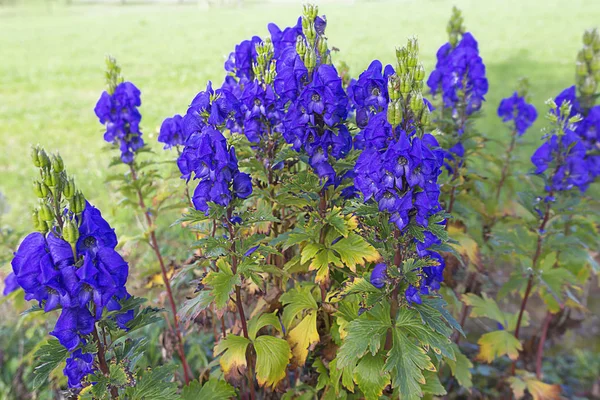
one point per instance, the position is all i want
(272, 357)
(497, 344)
(536, 388)
(156, 279)
(370, 376)
(321, 262)
(222, 284)
(354, 250)
(302, 337)
(233, 359)
(296, 301)
(467, 246)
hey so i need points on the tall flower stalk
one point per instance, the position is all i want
(117, 110)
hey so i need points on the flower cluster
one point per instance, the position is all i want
(171, 132)
(118, 111)
(459, 76)
(516, 109)
(207, 156)
(564, 153)
(83, 279)
(369, 94)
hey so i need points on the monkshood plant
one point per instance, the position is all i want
(69, 264)
(319, 222)
(117, 110)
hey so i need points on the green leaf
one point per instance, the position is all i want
(213, 389)
(432, 384)
(365, 333)
(222, 284)
(461, 368)
(486, 307)
(434, 318)
(155, 384)
(260, 321)
(497, 344)
(272, 357)
(48, 357)
(410, 323)
(370, 376)
(406, 362)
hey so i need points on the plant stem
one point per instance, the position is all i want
(114, 392)
(154, 244)
(505, 168)
(535, 259)
(240, 304)
(540, 351)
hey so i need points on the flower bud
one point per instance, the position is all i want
(405, 84)
(322, 46)
(588, 53)
(69, 188)
(419, 73)
(77, 203)
(44, 159)
(425, 117)
(45, 213)
(300, 46)
(412, 60)
(595, 63)
(401, 53)
(39, 225)
(393, 88)
(57, 163)
(310, 59)
(398, 112)
(51, 178)
(581, 68)
(35, 156)
(70, 231)
(37, 190)
(453, 39)
(413, 45)
(589, 85)
(416, 102)
(588, 37)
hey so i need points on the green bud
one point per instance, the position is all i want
(581, 56)
(300, 46)
(453, 39)
(398, 112)
(405, 84)
(44, 159)
(588, 37)
(419, 73)
(35, 156)
(581, 68)
(595, 63)
(425, 117)
(416, 102)
(391, 113)
(322, 46)
(57, 163)
(401, 53)
(45, 213)
(77, 203)
(52, 178)
(412, 60)
(413, 45)
(69, 188)
(310, 59)
(588, 53)
(589, 86)
(70, 232)
(393, 89)
(37, 190)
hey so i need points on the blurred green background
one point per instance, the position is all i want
(52, 63)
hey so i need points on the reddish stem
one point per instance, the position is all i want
(114, 392)
(540, 350)
(505, 169)
(154, 244)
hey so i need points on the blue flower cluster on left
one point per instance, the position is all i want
(70, 263)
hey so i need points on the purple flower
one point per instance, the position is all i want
(517, 110)
(379, 276)
(171, 132)
(79, 365)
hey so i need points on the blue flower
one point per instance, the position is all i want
(516, 109)
(73, 323)
(171, 132)
(369, 93)
(119, 114)
(412, 295)
(460, 70)
(79, 365)
(379, 276)
(10, 284)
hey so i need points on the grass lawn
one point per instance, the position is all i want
(52, 61)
